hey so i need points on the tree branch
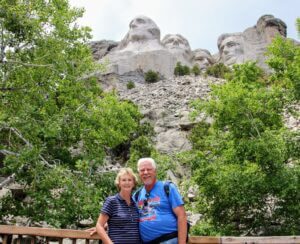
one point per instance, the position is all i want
(12, 177)
(7, 152)
(88, 76)
(27, 64)
(6, 89)
(253, 124)
(18, 134)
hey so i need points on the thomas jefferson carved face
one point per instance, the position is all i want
(231, 49)
(177, 41)
(203, 58)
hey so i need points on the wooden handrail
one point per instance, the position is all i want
(6, 230)
(261, 240)
(204, 240)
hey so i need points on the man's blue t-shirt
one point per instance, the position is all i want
(155, 211)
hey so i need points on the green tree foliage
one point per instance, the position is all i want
(196, 70)
(55, 122)
(151, 76)
(181, 70)
(218, 70)
(241, 161)
(284, 59)
(141, 145)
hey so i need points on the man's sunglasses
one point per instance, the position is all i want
(146, 200)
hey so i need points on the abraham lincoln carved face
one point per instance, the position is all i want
(231, 48)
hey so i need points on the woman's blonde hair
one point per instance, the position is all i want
(125, 171)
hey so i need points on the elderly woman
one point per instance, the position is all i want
(120, 212)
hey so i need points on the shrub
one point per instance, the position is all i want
(130, 84)
(181, 70)
(186, 70)
(196, 70)
(151, 76)
(218, 70)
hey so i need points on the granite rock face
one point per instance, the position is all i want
(203, 59)
(142, 48)
(179, 47)
(165, 105)
(251, 44)
(102, 48)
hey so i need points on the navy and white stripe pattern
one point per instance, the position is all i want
(123, 223)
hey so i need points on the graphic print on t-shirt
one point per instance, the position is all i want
(147, 208)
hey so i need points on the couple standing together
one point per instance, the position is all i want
(149, 216)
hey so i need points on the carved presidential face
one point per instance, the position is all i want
(203, 58)
(269, 27)
(232, 49)
(142, 28)
(270, 22)
(172, 41)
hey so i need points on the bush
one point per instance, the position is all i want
(151, 76)
(181, 70)
(130, 84)
(196, 70)
(205, 228)
(218, 70)
(241, 159)
(140, 148)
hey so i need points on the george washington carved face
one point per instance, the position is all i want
(142, 28)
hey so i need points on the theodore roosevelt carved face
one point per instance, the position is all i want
(202, 58)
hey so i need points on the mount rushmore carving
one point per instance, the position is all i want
(142, 48)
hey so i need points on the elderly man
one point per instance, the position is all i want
(162, 217)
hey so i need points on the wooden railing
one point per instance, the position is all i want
(6, 231)
(50, 234)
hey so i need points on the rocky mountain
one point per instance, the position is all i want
(143, 49)
(166, 105)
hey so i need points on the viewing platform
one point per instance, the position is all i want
(35, 235)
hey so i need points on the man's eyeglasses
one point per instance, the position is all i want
(146, 200)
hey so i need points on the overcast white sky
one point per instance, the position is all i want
(200, 21)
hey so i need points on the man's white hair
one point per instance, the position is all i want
(142, 160)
